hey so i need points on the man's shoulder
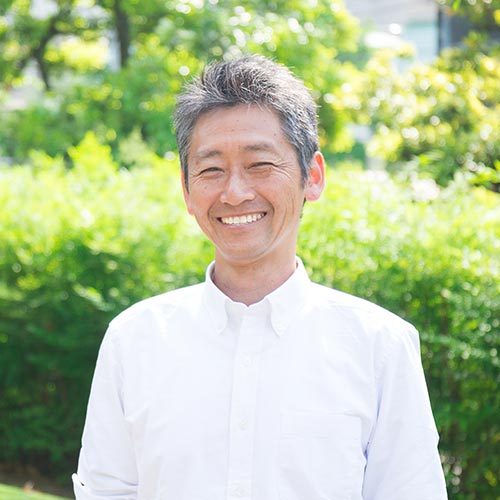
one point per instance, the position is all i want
(164, 305)
(351, 309)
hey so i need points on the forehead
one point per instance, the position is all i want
(249, 127)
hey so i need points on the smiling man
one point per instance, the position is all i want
(257, 383)
(243, 184)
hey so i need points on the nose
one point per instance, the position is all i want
(237, 190)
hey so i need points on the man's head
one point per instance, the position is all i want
(250, 80)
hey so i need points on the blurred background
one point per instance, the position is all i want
(92, 218)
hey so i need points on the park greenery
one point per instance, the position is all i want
(92, 216)
(13, 493)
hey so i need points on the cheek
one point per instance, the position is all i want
(198, 199)
(202, 209)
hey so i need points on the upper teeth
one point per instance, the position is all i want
(242, 219)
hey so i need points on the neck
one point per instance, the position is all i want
(250, 283)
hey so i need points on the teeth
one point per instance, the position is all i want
(242, 219)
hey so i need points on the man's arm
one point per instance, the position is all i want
(402, 457)
(106, 468)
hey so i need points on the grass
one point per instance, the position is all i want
(13, 493)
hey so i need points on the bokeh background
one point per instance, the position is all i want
(92, 217)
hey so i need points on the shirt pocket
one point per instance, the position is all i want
(320, 456)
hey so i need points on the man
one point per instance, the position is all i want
(257, 383)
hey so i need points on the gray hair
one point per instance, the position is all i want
(252, 79)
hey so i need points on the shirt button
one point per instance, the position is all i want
(238, 490)
(247, 361)
(243, 424)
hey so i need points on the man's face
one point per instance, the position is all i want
(245, 187)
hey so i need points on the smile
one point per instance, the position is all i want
(241, 219)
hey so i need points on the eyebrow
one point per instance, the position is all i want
(206, 154)
(260, 146)
(254, 147)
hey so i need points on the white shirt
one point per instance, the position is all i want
(310, 394)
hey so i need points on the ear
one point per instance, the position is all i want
(316, 180)
(185, 192)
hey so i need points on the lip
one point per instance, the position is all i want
(241, 220)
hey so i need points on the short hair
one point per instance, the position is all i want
(251, 79)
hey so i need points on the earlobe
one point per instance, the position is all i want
(316, 180)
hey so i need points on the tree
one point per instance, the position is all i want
(482, 14)
(160, 44)
(28, 35)
(440, 119)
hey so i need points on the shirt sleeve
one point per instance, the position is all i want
(402, 455)
(106, 467)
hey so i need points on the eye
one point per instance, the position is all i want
(209, 171)
(261, 166)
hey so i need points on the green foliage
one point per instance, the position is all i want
(77, 246)
(436, 264)
(441, 118)
(13, 493)
(436, 119)
(27, 36)
(483, 14)
(161, 44)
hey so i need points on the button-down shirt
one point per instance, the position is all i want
(310, 394)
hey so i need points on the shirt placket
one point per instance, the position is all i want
(243, 406)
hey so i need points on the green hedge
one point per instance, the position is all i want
(77, 246)
(436, 264)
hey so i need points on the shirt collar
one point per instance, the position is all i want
(285, 302)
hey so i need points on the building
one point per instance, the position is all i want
(423, 23)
